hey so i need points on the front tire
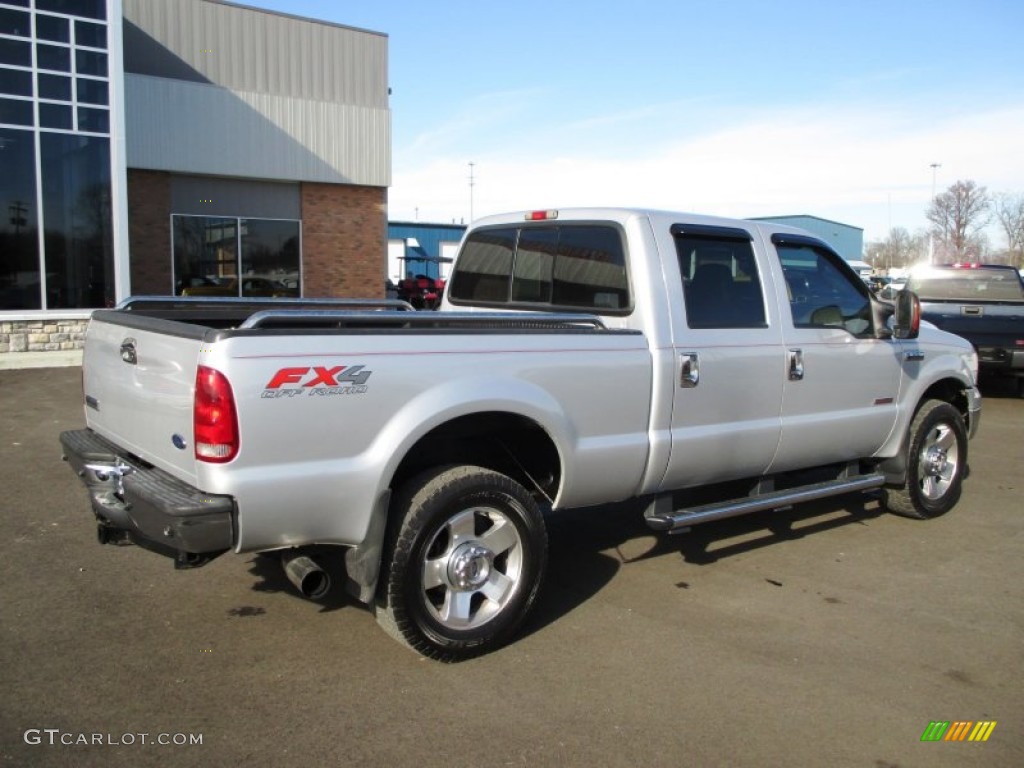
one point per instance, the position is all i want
(936, 463)
(465, 562)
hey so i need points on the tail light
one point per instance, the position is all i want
(214, 419)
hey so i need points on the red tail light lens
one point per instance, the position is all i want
(541, 215)
(214, 419)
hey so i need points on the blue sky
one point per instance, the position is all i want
(735, 108)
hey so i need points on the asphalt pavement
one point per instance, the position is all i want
(830, 635)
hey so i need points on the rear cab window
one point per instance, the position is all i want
(544, 266)
(967, 283)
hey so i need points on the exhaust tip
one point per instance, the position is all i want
(307, 576)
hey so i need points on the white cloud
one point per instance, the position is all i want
(865, 168)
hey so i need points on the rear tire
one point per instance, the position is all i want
(936, 463)
(465, 562)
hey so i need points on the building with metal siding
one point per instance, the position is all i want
(226, 90)
(845, 238)
(249, 154)
(416, 248)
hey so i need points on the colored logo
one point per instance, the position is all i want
(958, 730)
(317, 380)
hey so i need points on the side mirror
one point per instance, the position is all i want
(907, 322)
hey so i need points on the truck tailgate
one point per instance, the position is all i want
(138, 377)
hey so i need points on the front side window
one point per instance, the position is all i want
(571, 266)
(821, 293)
(721, 285)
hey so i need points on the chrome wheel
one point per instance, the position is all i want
(938, 461)
(463, 564)
(472, 569)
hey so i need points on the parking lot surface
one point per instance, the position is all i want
(830, 635)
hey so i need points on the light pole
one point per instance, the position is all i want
(931, 233)
(472, 181)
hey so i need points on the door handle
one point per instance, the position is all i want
(796, 365)
(689, 370)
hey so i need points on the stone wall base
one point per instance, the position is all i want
(47, 335)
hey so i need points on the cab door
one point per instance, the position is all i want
(842, 382)
(728, 349)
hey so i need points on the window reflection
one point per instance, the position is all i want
(19, 237)
(53, 57)
(207, 260)
(77, 215)
(94, 35)
(52, 28)
(270, 250)
(54, 87)
(205, 255)
(16, 82)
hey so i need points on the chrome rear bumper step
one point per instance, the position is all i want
(660, 517)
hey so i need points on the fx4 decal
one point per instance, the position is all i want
(317, 380)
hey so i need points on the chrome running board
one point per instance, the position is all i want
(660, 517)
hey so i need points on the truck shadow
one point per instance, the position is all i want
(271, 578)
(588, 547)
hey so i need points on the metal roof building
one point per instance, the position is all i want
(845, 238)
(416, 248)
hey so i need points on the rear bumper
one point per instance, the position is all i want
(1002, 359)
(147, 505)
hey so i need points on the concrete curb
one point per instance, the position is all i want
(62, 359)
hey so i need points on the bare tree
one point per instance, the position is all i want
(958, 215)
(1009, 211)
(899, 249)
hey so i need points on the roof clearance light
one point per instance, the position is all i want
(541, 215)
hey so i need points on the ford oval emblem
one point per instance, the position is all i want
(179, 442)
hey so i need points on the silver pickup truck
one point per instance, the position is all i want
(579, 357)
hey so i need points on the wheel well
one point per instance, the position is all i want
(947, 390)
(950, 390)
(508, 443)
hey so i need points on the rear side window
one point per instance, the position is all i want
(721, 285)
(571, 266)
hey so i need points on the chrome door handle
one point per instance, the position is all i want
(689, 370)
(796, 365)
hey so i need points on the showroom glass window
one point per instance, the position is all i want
(229, 256)
(56, 232)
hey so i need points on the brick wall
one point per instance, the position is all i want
(344, 240)
(149, 232)
(41, 335)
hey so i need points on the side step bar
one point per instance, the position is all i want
(660, 517)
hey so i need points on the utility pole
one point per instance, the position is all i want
(472, 182)
(931, 234)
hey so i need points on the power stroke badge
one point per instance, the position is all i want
(317, 381)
